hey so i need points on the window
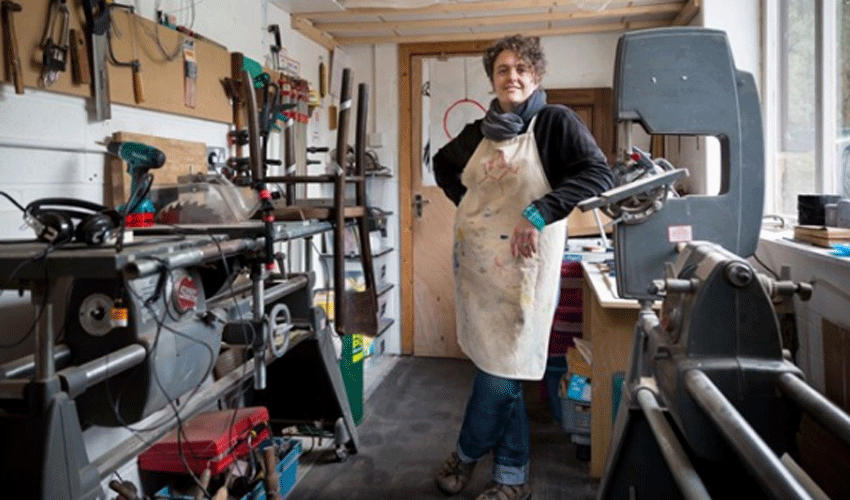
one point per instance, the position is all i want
(812, 104)
(843, 152)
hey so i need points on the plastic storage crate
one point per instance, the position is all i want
(287, 468)
(575, 416)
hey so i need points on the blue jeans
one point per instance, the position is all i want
(496, 419)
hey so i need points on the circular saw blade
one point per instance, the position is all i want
(192, 212)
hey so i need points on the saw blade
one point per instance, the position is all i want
(179, 212)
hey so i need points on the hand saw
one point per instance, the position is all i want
(97, 21)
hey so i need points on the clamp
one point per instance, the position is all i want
(54, 42)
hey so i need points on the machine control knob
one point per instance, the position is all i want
(739, 274)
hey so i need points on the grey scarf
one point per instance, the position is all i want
(499, 126)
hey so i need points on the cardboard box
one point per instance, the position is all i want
(576, 363)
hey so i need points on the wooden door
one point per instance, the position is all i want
(427, 288)
(433, 237)
(594, 106)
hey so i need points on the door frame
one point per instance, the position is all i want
(410, 57)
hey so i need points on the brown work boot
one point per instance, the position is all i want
(499, 491)
(454, 474)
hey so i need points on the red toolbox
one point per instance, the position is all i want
(212, 439)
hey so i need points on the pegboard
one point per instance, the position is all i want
(133, 37)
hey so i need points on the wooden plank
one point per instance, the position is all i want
(162, 79)
(491, 35)
(181, 158)
(667, 9)
(688, 13)
(306, 28)
(609, 330)
(822, 236)
(456, 9)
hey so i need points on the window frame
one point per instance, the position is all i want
(826, 98)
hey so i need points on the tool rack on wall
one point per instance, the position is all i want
(162, 75)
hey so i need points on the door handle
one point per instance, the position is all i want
(418, 203)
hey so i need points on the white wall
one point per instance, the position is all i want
(741, 22)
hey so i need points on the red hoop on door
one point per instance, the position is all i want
(455, 104)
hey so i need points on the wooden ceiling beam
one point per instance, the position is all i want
(688, 13)
(306, 28)
(666, 9)
(443, 9)
(492, 35)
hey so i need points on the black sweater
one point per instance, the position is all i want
(574, 165)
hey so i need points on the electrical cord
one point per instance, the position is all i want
(14, 202)
(762, 264)
(41, 255)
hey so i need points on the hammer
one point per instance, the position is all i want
(10, 41)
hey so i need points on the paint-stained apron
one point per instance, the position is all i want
(505, 305)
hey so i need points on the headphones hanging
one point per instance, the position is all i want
(52, 219)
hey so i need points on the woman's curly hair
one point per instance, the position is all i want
(528, 48)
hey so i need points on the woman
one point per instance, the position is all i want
(515, 176)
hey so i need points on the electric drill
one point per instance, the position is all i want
(140, 159)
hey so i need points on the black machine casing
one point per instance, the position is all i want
(182, 342)
(682, 81)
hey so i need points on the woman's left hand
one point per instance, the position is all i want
(524, 239)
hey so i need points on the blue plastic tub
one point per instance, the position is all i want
(287, 468)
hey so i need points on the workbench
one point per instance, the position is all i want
(608, 323)
(61, 381)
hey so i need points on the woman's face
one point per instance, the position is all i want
(513, 79)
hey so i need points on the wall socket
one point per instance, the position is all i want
(216, 157)
(376, 139)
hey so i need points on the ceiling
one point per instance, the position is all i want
(330, 24)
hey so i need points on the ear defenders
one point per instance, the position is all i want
(53, 221)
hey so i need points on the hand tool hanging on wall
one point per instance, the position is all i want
(54, 42)
(190, 74)
(138, 90)
(275, 49)
(97, 29)
(80, 72)
(10, 42)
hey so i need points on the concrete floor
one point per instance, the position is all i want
(410, 425)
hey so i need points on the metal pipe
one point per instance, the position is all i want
(29, 143)
(762, 462)
(308, 254)
(284, 288)
(77, 379)
(45, 369)
(128, 449)
(816, 405)
(25, 366)
(811, 486)
(686, 477)
(139, 269)
(259, 340)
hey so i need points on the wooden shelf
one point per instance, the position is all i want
(384, 288)
(383, 325)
